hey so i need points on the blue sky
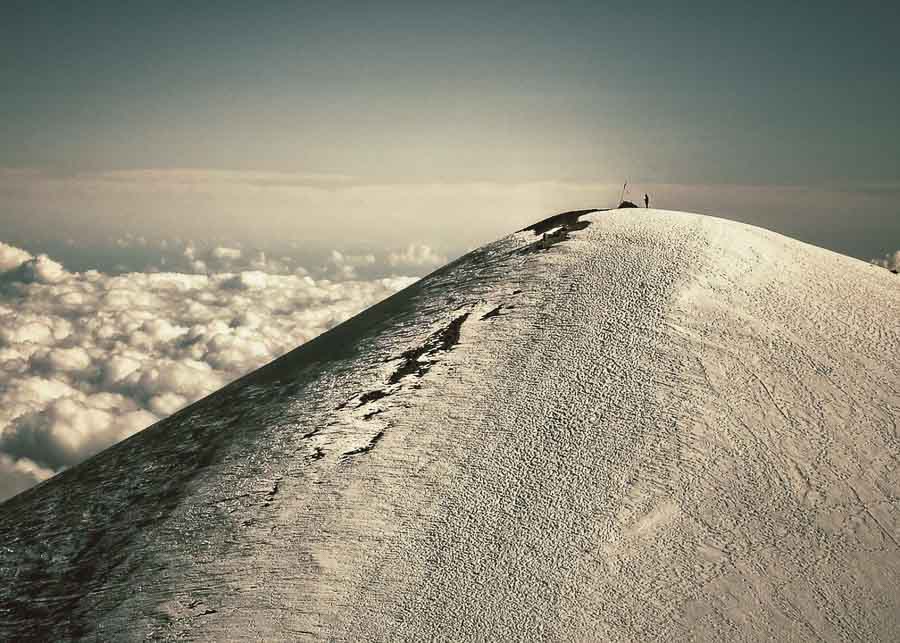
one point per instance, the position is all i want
(410, 94)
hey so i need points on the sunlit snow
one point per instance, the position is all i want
(657, 426)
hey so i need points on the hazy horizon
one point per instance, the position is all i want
(443, 125)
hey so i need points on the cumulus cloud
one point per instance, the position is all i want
(416, 255)
(889, 261)
(17, 475)
(11, 257)
(221, 259)
(41, 269)
(19, 265)
(70, 429)
(344, 266)
(222, 253)
(87, 359)
(130, 240)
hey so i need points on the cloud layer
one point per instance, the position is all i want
(265, 209)
(87, 359)
(889, 261)
(416, 255)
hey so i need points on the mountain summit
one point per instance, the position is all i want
(621, 425)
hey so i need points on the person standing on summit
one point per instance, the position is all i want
(646, 200)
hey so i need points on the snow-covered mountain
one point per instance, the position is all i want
(651, 425)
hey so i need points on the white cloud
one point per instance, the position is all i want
(33, 332)
(41, 269)
(247, 280)
(344, 266)
(417, 255)
(70, 429)
(223, 253)
(18, 474)
(166, 404)
(222, 259)
(87, 359)
(11, 257)
(889, 261)
(131, 241)
(62, 360)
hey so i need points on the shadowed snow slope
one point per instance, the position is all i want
(661, 425)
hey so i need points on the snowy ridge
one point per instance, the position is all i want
(648, 425)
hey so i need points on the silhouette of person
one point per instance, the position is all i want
(646, 200)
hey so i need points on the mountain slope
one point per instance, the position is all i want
(662, 425)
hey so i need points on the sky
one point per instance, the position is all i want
(166, 167)
(377, 116)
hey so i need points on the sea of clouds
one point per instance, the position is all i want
(89, 358)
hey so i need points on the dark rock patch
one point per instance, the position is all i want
(371, 414)
(270, 495)
(492, 313)
(441, 341)
(546, 241)
(563, 218)
(371, 396)
(365, 449)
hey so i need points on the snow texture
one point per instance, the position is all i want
(659, 426)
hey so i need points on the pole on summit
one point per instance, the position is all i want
(622, 198)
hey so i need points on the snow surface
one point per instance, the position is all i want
(664, 425)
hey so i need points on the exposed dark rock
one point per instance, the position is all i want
(492, 313)
(563, 218)
(371, 396)
(443, 340)
(368, 447)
